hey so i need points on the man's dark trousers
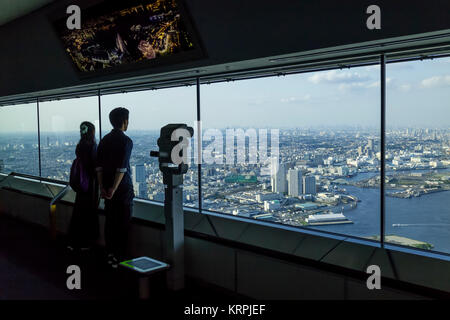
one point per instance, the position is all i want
(117, 224)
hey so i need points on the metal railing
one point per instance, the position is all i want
(37, 178)
(52, 212)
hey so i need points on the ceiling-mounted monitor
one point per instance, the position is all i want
(129, 35)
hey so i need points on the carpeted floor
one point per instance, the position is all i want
(33, 267)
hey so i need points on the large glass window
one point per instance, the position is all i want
(327, 173)
(19, 139)
(300, 150)
(149, 111)
(418, 154)
(60, 132)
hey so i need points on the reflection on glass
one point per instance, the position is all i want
(328, 165)
(19, 139)
(149, 111)
(418, 154)
(60, 133)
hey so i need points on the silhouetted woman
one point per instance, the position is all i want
(84, 225)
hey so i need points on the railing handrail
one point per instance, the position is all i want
(3, 176)
(52, 211)
(60, 195)
(29, 176)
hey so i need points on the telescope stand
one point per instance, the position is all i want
(173, 211)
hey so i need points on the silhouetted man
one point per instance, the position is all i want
(114, 177)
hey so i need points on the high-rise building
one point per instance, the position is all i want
(140, 190)
(279, 182)
(370, 145)
(309, 185)
(2, 166)
(133, 176)
(360, 151)
(138, 173)
(295, 185)
(136, 188)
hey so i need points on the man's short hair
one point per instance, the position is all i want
(118, 116)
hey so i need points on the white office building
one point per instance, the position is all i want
(295, 185)
(272, 205)
(278, 180)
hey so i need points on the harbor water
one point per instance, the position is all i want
(425, 218)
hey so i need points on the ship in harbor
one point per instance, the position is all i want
(326, 219)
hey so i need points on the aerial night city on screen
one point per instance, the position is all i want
(126, 34)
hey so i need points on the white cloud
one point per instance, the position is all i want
(436, 81)
(405, 87)
(375, 84)
(336, 76)
(362, 84)
(306, 97)
(352, 85)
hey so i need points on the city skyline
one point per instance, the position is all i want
(343, 164)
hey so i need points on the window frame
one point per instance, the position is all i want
(382, 59)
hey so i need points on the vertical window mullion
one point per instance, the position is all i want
(39, 136)
(382, 147)
(199, 166)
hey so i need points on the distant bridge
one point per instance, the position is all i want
(420, 224)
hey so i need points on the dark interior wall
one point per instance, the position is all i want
(32, 58)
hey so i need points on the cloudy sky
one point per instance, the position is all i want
(417, 95)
